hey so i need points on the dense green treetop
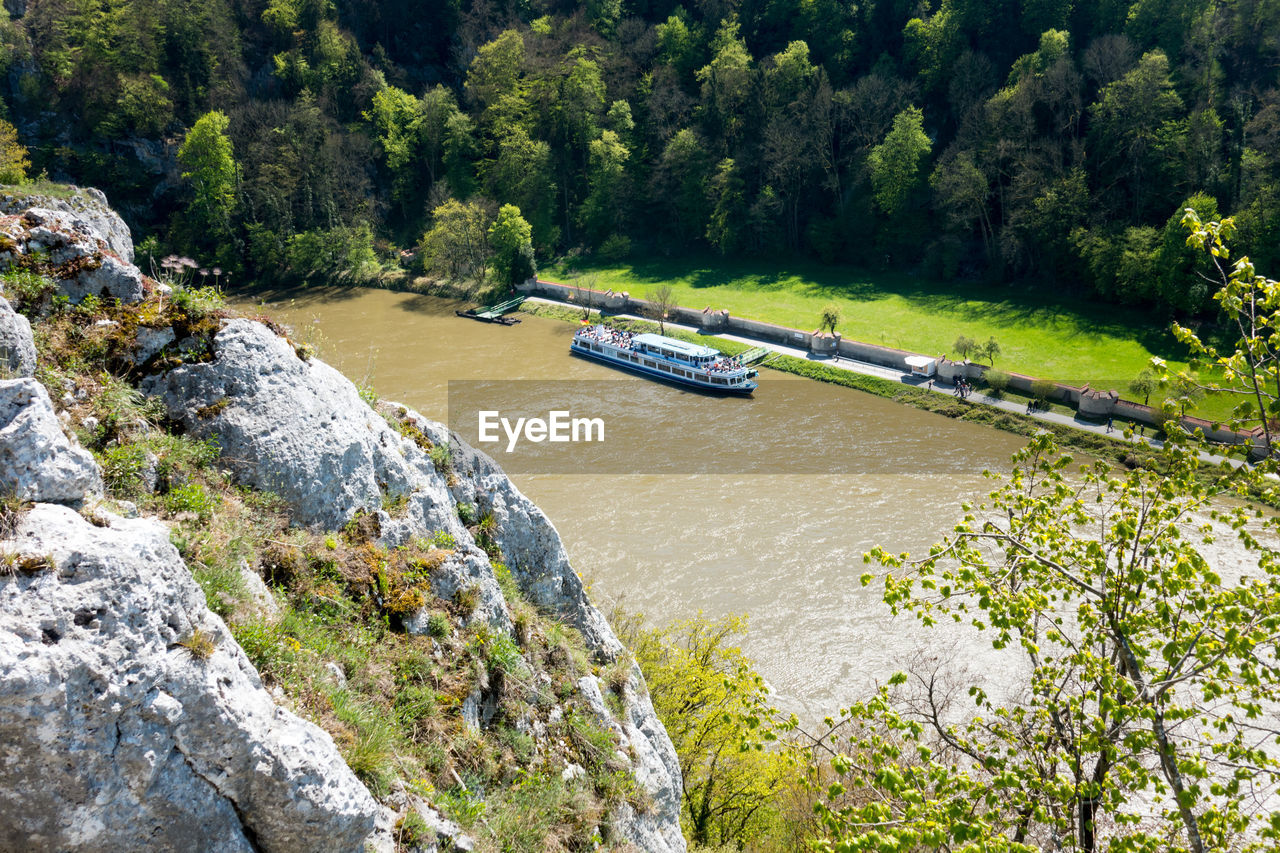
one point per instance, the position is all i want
(957, 134)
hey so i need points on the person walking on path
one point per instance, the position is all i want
(1109, 424)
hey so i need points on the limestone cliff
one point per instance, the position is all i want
(129, 716)
(118, 732)
(299, 428)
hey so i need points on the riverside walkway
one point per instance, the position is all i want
(893, 375)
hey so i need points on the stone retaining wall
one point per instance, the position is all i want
(1092, 403)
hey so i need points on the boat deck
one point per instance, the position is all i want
(666, 358)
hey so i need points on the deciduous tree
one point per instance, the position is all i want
(458, 242)
(715, 707)
(1142, 723)
(830, 317)
(510, 237)
(13, 156)
(661, 300)
(210, 168)
(896, 163)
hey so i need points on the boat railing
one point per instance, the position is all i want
(726, 366)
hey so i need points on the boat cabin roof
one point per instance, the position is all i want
(671, 344)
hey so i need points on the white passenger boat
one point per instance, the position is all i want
(665, 358)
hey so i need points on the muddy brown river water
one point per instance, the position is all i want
(766, 533)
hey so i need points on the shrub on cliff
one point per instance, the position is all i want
(13, 156)
(737, 787)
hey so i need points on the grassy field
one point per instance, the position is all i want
(40, 187)
(1043, 335)
(1067, 341)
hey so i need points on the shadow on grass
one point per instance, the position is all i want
(981, 305)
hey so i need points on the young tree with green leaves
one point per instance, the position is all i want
(830, 317)
(716, 709)
(209, 166)
(897, 163)
(990, 351)
(726, 194)
(1185, 391)
(397, 117)
(1144, 384)
(1251, 369)
(1136, 131)
(678, 186)
(605, 207)
(458, 242)
(726, 81)
(495, 83)
(661, 300)
(13, 156)
(1143, 722)
(510, 238)
(522, 173)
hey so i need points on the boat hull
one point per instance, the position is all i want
(718, 390)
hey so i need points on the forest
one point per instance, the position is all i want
(1046, 142)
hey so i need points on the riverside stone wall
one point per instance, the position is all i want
(1097, 404)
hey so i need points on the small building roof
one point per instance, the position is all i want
(686, 349)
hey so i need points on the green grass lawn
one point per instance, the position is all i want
(1043, 335)
(41, 187)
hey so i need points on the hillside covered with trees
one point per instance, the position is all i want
(1046, 141)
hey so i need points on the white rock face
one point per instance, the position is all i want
(37, 461)
(150, 342)
(530, 544)
(657, 768)
(113, 277)
(299, 428)
(86, 212)
(17, 346)
(114, 737)
(84, 262)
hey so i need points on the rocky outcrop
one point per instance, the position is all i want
(83, 211)
(530, 545)
(298, 428)
(37, 461)
(656, 767)
(81, 261)
(17, 347)
(129, 718)
(111, 277)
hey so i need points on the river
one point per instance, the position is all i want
(777, 539)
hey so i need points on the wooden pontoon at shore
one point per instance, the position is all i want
(495, 313)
